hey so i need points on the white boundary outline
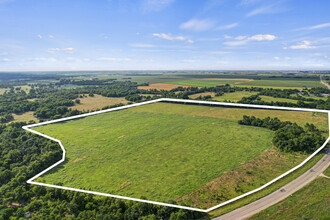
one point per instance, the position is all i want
(30, 181)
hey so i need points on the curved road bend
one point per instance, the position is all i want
(324, 83)
(280, 194)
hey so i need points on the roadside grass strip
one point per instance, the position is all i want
(31, 181)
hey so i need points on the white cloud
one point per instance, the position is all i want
(228, 26)
(5, 60)
(142, 45)
(51, 36)
(155, 5)
(66, 50)
(39, 36)
(197, 25)
(172, 38)
(303, 45)
(319, 26)
(276, 58)
(227, 36)
(236, 43)
(4, 54)
(240, 37)
(262, 37)
(241, 40)
(267, 9)
(113, 60)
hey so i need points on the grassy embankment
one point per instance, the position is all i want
(310, 202)
(163, 151)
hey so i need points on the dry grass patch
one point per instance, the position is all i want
(212, 94)
(25, 117)
(161, 86)
(97, 102)
(246, 177)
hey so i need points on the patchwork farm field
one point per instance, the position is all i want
(282, 84)
(166, 151)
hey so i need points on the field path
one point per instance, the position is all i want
(324, 83)
(280, 194)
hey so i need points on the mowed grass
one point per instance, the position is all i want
(161, 151)
(234, 96)
(310, 202)
(97, 102)
(272, 99)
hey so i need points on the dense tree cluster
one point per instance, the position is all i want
(289, 137)
(23, 155)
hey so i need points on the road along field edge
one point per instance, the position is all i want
(30, 181)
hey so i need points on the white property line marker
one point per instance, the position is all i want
(30, 181)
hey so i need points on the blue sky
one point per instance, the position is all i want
(164, 34)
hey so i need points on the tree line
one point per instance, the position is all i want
(288, 136)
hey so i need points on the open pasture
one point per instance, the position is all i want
(234, 96)
(161, 151)
(97, 102)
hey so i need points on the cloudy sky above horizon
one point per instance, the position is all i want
(164, 35)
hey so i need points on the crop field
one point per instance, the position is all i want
(310, 202)
(165, 151)
(97, 102)
(161, 86)
(212, 94)
(206, 82)
(248, 83)
(234, 96)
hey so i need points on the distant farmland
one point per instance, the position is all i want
(166, 151)
(282, 84)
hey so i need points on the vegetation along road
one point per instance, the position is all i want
(324, 83)
(278, 195)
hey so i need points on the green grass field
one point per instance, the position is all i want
(327, 171)
(310, 202)
(272, 99)
(256, 83)
(283, 83)
(234, 96)
(161, 151)
(204, 83)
